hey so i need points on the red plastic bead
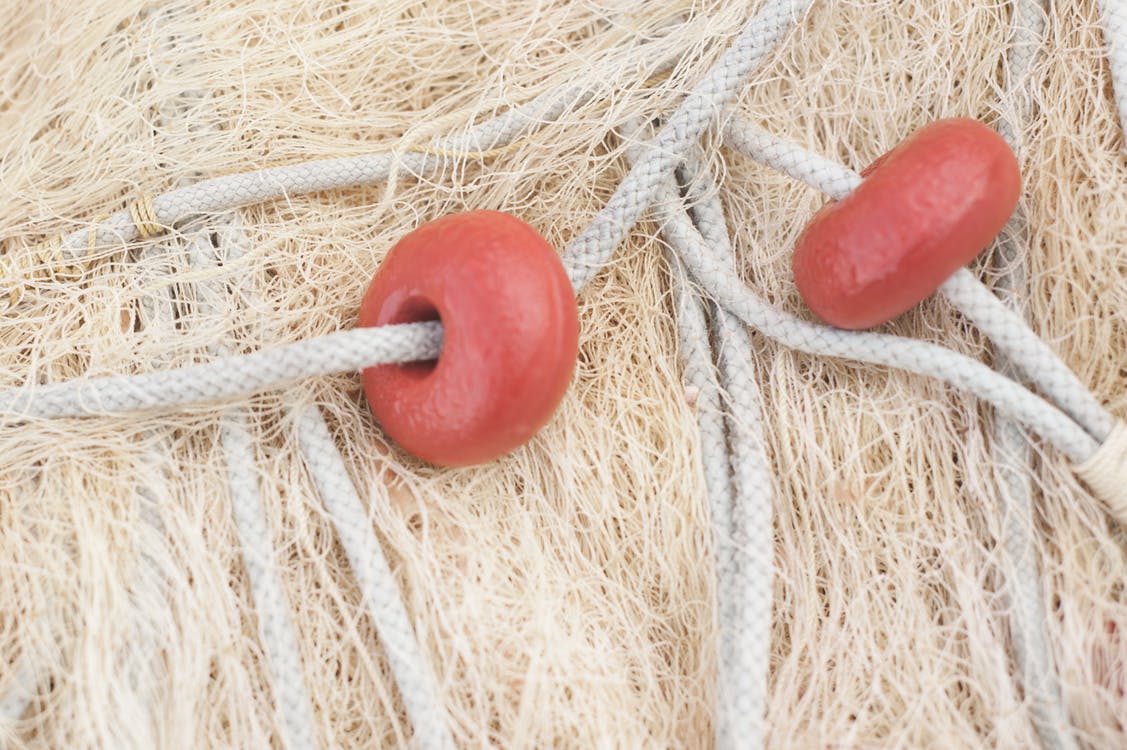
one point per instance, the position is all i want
(510, 343)
(925, 209)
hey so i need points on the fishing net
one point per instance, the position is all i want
(565, 595)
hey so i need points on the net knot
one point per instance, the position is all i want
(1106, 472)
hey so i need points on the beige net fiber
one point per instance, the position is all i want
(563, 595)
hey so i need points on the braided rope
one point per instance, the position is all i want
(147, 216)
(599, 240)
(724, 411)
(274, 621)
(750, 535)
(1003, 326)
(909, 355)
(381, 593)
(293, 708)
(148, 220)
(701, 377)
(1114, 13)
(377, 583)
(1011, 449)
(229, 376)
(593, 248)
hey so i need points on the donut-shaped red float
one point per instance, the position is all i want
(924, 209)
(510, 337)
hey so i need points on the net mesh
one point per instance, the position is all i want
(563, 594)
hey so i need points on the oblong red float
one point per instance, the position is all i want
(924, 209)
(510, 340)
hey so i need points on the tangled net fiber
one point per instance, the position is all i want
(566, 595)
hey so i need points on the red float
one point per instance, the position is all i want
(925, 209)
(510, 343)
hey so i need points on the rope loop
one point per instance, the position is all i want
(1106, 472)
(145, 217)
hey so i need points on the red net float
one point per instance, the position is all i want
(510, 341)
(924, 209)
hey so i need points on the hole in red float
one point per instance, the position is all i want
(417, 310)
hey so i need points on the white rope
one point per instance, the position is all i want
(592, 249)
(228, 192)
(701, 377)
(1005, 328)
(753, 540)
(270, 603)
(741, 721)
(292, 706)
(910, 355)
(906, 354)
(1029, 353)
(338, 352)
(1011, 449)
(227, 377)
(20, 690)
(377, 584)
(368, 563)
(742, 712)
(702, 386)
(651, 173)
(1028, 615)
(703, 389)
(1115, 37)
(702, 381)
(239, 376)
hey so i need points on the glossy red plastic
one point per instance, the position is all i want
(510, 342)
(925, 209)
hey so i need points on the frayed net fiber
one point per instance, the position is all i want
(564, 595)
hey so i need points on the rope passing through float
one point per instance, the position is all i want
(510, 337)
(1067, 415)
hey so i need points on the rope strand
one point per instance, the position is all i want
(1005, 328)
(1033, 656)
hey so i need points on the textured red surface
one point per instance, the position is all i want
(924, 210)
(510, 343)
